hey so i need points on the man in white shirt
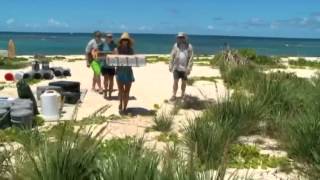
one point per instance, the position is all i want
(93, 47)
(181, 63)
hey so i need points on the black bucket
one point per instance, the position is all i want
(47, 75)
(66, 72)
(58, 72)
(35, 66)
(28, 75)
(37, 75)
(45, 65)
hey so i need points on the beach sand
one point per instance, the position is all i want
(153, 85)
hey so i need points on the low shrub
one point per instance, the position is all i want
(303, 62)
(163, 122)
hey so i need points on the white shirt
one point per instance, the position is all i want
(182, 61)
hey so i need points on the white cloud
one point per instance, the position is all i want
(210, 27)
(32, 25)
(10, 21)
(56, 23)
(145, 28)
(123, 27)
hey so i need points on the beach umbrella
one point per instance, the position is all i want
(11, 49)
(9, 77)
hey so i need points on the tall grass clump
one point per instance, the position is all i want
(211, 134)
(303, 141)
(163, 122)
(68, 156)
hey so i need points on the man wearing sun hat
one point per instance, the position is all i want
(181, 63)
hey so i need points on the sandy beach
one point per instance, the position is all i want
(153, 85)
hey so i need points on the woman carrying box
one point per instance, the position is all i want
(124, 73)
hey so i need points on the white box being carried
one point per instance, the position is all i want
(126, 60)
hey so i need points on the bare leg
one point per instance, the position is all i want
(175, 88)
(94, 82)
(127, 88)
(121, 94)
(99, 82)
(110, 85)
(105, 82)
(183, 87)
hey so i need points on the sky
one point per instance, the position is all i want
(266, 18)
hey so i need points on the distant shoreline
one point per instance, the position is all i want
(167, 34)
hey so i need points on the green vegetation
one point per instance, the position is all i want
(96, 120)
(33, 81)
(167, 137)
(246, 156)
(16, 63)
(219, 127)
(301, 62)
(78, 155)
(156, 59)
(288, 107)
(163, 122)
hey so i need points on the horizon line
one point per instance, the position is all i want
(150, 33)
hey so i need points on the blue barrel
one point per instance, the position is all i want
(22, 118)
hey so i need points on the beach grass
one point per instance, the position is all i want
(289, 110)
(16, 63)
(163, 122)
(302, 62)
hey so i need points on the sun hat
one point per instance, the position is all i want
(181, 34)
(126, 36)
(109, 35)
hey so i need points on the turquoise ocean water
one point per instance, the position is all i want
(67, 43)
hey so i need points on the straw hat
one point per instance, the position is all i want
(126, 36)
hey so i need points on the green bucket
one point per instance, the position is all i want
(95, 65)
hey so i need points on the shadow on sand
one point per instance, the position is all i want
(134, 111)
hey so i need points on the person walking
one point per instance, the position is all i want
(108, 72)
(124, 73)
(181, 63)
(93, 47)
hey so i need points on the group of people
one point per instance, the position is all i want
(180, 65)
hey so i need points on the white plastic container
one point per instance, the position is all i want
(19, 75)
(50, 105)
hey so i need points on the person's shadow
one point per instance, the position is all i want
(134, 111)
(116, 98)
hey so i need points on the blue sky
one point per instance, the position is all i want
(276, 18)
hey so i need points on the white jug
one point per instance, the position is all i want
(50, 105)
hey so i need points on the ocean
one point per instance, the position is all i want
(74, 43)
